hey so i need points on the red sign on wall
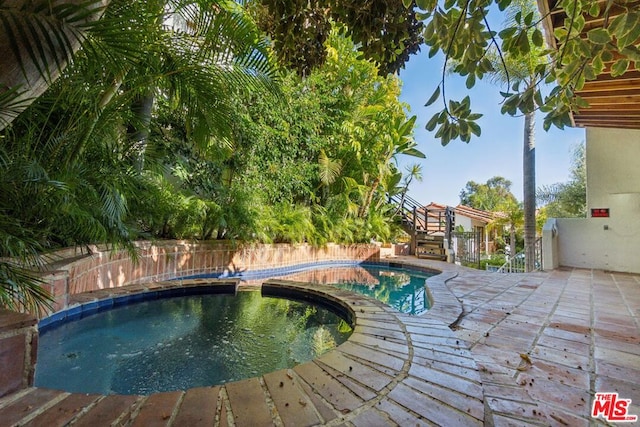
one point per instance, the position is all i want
(600, 213)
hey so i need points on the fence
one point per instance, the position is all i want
(467, 247)
(516, 264)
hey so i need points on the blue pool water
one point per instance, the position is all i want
(401, 288)
(395, 285)
(200, 340)
(184, 342)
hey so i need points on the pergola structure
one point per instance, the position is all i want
(614, 102)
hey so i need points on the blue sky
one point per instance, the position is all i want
(498, 151)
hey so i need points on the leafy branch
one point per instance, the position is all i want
(461, 31)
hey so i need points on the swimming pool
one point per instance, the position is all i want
(153, 345)
(184, 342)
(396, 285)
(401, 288)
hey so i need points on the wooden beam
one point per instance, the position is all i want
(608, 113)
(619, 100)
(614, 101)
(609, 92)
(608, 124)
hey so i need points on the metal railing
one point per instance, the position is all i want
(516, 264)
(416, 217)
(466, 246)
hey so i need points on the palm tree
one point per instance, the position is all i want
(518, 70)
(68, 168)
(37, 41)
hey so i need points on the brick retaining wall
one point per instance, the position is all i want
(77, 272)
(18, 349)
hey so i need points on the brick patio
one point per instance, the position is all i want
(495, 349)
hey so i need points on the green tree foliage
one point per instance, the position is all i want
(511, 217)
(227, 159)
(329, 143)
(495, 196)
(385, 31)
(490, 196)
(461, 31)
(568, 199)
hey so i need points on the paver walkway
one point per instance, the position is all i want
(545, 343)
(529, 349)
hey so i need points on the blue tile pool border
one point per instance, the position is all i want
(86, 309)
(79, 311)
(281, 271)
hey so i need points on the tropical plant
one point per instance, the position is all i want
(76, 162)
(178, 132)
(568, 199)
(20, 289)
(37, 41)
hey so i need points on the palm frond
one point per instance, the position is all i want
(329, 169)
(12, 103)
(21, 290)
(45, 35)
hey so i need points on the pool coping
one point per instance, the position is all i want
(392, 369)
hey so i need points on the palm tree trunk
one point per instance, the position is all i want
(512, 241)
(138, 128)
(529, 190)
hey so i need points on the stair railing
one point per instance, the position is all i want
(516, 263)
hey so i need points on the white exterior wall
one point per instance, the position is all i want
(613, 168)
(550, 252)
(468, 223)
(585, 243)
(465, 222)
(613, 182)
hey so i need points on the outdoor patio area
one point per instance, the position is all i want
(579, 331)
(496, 349)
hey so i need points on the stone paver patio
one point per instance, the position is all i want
(528, 349)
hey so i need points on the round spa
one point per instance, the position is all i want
(205, 336)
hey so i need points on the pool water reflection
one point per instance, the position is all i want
(402, 289)
(184, 342)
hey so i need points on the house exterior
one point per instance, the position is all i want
(609, 238)
(468, 219)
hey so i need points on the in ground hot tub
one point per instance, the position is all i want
(183, 338)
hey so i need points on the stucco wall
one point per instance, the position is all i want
(465, 222)
(583, 242)
(613, 171)
(613, 182)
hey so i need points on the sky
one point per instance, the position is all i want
(497, 152)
